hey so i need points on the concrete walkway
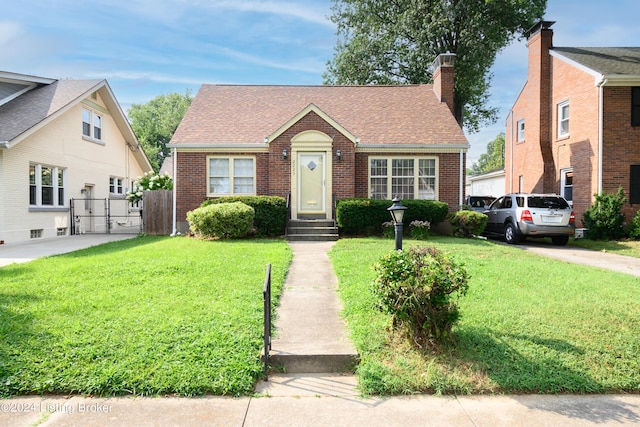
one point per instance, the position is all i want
(310, 335)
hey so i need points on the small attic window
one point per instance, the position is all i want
(94, 96)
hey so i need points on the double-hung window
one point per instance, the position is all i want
(46, 186)
(563, 119)
(635, 106)
(403, 177)
(520, 130)
(116, 185)
(91, 124)
(231, 176)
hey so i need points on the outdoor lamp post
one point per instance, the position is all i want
(397, 213)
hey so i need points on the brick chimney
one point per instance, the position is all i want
(443, 78)
(539, 43)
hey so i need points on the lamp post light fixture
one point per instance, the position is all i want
(397, 214)
(284, 153)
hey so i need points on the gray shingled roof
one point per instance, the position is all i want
(605, 60)
(407, 114)
(31, 108)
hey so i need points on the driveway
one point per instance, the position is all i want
(38, 248)
(604, 260)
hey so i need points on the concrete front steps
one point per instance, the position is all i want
(310, 335)
(312, 230)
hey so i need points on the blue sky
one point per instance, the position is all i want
(146, 48)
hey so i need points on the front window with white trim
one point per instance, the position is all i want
(563, 119)
(91, 124)
(46, 186)
(403, 177)
(566, 184)
(231, 176)
(116, 185)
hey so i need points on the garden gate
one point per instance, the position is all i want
(105, 216)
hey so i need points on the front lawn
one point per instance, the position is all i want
(529, 325)
(621, 247)
(147, 316)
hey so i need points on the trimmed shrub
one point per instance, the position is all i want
(223, 220)
(634, 227)
(366, 216)
(604, 219)
(270, 212)
(419, 229)
(468, 223)
(419, 288)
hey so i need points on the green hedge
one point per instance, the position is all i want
(270, 212)
(224, 220)
(365, 216)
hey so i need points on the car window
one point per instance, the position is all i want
(506, 203)
(547, 202)
(520, 201)
(497, 204)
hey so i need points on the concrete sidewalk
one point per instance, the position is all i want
(293, 406)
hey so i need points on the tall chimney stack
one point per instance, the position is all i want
(443, 79)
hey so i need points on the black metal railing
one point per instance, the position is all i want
(266, 297)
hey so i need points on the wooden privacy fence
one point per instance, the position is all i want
(157, 212)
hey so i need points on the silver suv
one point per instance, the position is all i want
(518, 216)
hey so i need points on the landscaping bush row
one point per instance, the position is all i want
(270, 212)
(366, 216)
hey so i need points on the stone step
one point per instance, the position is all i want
(318, 230)
(312, 237)
(313, 363)
(311, 223)
(314, 230)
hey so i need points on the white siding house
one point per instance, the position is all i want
(60, 139)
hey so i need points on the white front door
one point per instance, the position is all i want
(311, 182)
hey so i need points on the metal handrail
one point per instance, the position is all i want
(266, 297)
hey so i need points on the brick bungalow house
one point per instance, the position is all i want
(313, 145)
(575, 128)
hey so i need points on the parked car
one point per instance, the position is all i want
(479, 203)
(518, 216)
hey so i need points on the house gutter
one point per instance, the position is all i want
(4, 144)
(174, 232)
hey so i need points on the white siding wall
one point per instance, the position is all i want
(61, 144)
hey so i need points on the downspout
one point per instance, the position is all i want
(461, 195)
(174, 232)
(600, 129)
(510, 172)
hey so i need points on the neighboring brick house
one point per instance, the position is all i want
(575, 128)
(316, 144)
(62, 140)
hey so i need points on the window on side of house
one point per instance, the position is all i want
(563, 119)
(403, 177)
(47, 186)
(521, 130)
(91, 124)
(635, 106)
(634, 185)
(231, 176)
(566, 185)
(116, 185)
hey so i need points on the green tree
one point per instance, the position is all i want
(492, 160)
(155, 122)
(395, 42)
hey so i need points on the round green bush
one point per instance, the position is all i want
(467, 223)
(223, 221)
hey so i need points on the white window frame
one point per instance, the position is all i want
(520, 127)
(416, 177)
(563, 131)
(231, 176)
(563, 183)
(92, 129)
(59, 191)
(116, 185)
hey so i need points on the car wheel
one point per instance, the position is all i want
(510, 234)
(560, 240)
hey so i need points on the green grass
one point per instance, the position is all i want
(529, 325)
(620, 247)
(146, 316)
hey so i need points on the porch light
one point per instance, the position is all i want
(397, 214)
(338, 154)
(284, 153)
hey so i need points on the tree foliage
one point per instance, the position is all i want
(395, 42)
(492, 160)
(155, 122)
